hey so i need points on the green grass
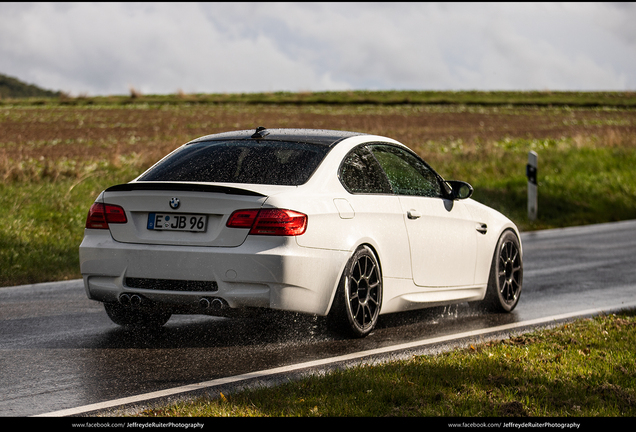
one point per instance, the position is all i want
(40, 235)
(577, 186)
(581, 369)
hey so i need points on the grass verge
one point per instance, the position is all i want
(581, 369)
(40, 236)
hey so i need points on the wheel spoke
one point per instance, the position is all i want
(364, 316)
(357, 312)
(515, 254)
(370, 269)
(504, 288)
(363, 268)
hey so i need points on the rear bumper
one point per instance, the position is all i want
(268, 272)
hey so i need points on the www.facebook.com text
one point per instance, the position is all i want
(518, 425)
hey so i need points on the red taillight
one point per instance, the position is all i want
(277, 222)
(100, 215)
(242, 219)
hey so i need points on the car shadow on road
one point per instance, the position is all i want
(290, 329)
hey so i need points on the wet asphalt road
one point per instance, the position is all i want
(59, 350)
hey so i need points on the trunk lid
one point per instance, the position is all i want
(148, 202)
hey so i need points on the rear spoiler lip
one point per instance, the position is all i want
(181, 187)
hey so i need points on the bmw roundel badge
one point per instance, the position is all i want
(174, 203)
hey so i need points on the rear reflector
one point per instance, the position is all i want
(100, 215)
(276, 222)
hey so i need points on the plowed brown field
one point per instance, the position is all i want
(108, 133)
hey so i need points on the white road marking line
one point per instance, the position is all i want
(573, 267)
(323, 362)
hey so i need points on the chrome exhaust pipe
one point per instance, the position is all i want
(124, 300)
(128, 300)
(135, 300)
(216, 304)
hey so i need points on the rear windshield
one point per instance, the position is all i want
(240, 161)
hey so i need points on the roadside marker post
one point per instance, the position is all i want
(531, 173)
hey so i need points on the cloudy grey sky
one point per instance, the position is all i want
(107, 48)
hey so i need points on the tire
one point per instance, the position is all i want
(506, 275)
(358, 299)
(136, 317)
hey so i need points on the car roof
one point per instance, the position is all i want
(311, 136)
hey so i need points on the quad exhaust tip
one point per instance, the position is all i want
(134, 300)
(130, 300)
(215, 304)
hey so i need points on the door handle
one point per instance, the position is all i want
(482, 228)
(413, 214)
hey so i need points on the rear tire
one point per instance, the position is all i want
(136, 317)
(358, 300)
(506, 275)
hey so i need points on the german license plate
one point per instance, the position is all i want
(177, 222)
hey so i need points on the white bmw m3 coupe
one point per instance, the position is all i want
(339, 224)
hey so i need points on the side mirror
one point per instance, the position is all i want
(460, 190)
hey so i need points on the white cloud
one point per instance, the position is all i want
(104, 48)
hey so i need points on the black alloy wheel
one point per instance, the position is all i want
(359, 297)
(506, 275)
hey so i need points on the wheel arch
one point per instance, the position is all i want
(343, 267)
(513, 229)
(375, 252)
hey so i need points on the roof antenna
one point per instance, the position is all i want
(261, 132)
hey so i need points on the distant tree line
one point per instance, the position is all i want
(14, 88)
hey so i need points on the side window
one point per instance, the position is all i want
(407, 174)
(360, 173)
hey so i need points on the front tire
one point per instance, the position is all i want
(359, 296)
(506, 275)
